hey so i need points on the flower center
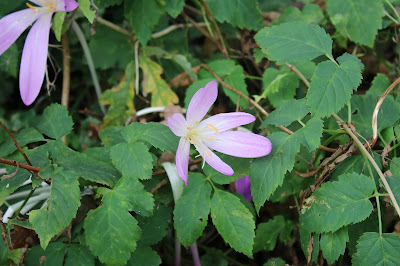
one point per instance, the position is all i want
(47, 6)
(195, 135)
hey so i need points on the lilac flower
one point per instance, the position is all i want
(34, 55)
(214, 133)
(242, 186)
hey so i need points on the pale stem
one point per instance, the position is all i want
(137, 67)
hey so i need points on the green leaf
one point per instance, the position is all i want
(107, 3)
(308, 240)
(132, 159)
(139, 12)
(339, 203)
(310, 135)
(79, 255)
(144, 256)
(57, 24)
(55, 121)
(275, 262)
(9, 60)
(295, 41)
(111, 231)
(53, 255)
(233, 221)
(237, 13)
(375, 249)
(120, 99)
(63, 203)
(24, 137)
(174, 7)
(111, 136)
(156, 134)
(8, 186)
(357, 230)
(359, 20)
(192, 209)
(161, 93)
(334, 244)
(332, 86)
(4, 253)
(267, 173)
(155, 227)
(84, 6)
(379, 85)
(287, 112)
(310, 14)
(267, 233)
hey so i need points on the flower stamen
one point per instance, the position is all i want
(32, 7)
(213, 128)
(209, 155)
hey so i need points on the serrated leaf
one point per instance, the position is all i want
(339, 203)
(158, 135)
(57, 24)
(8, 186)
(139, 12)
(332, 86)
(357, 230)
(267, 173)
(132, 159)
(144, 256)
(307, 239)
(63, 203)
(111, 231)
(375, 249)
(287, 112)
(310, 135)
(84, 6)
(334, 244)
(155, 227)
(192, 209)
(271, 82)
(233, 221)
(379, 85)
(294, 41)
(79, 255)
(161, 93)
(311, 14)
(174, 7)
(53, 255)
(120, 99)
(358, 20)
(55, 121)
(24, 137)
(237, 13)
(111, 136)
(9, 60)
(267, 233)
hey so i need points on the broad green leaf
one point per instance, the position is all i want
(9, 60)
(174, 7)
(394, 183)
(358, 20)
(332, 86)
(311, 14)
(132, 160)
(62, 205)
(8, 6)
(388, 114)
(287, 112)
(334, 244)
(53, 255)
(294, 41)
(111, 231)
(139, 12)
(357, 230)
(155, 227)
(57, 24)
(4, 253)
(233, 221)
(192, 209)
(310, 135)
(267, 173)
(339, 203)
(243, 14)
(267, 233)
(111, 136)
(55, 121)
(375, 249)
(25, 136)
(8, 186)
(79, 255)
(84, 6)
(158, 135)
(144, 256)
(379, 85)
(308, 240)
(161, 93)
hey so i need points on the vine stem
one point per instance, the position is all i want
(16, 144)
(372, 161)
(66, 70)
(21, 165)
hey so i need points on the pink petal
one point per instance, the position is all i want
(222, 122)
(70, 5)
(240, 144)
(13, 25)
(177, 124)
(34, 58)
(213, 160)
(242, 186)
(182, 159)
(201, 102)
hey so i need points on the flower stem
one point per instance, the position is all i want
(195, 254)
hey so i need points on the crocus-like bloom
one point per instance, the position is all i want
(242, 186)
(214, 133)
(34, 55)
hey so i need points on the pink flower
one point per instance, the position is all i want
(242, 186)
(214, 133)
(34, 55)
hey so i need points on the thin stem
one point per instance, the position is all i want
(24, 203)
(137, 67)
(113, 26)
(301, 76)
(24, 166)
(178, 250)
(16, 144)
(253, 77)
(301, 123)
(66, 70)
(89, 60)
(377, 169)
(393, 9)
(174, 27)
(334, 131)
(349, 112)
(195, 254)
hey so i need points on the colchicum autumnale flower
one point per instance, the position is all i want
(214, 133)
(242, 186)
(34, 54)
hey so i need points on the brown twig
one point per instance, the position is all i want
(66, 70)
(203, 31)
(21, 165)
(301, 76)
